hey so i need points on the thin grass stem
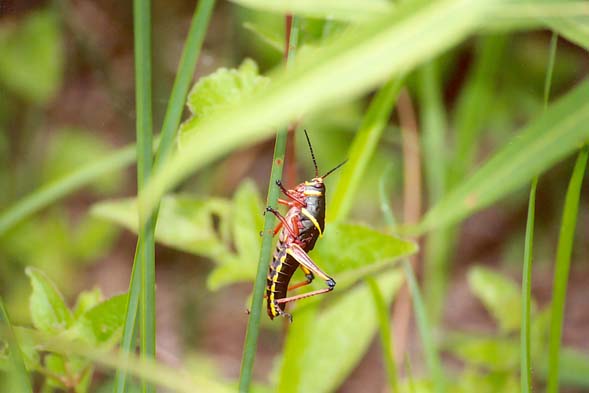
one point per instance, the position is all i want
(562, 268)
(253, 325)
(187, 64)
(432, 356)
(525, 355)
(386, 339)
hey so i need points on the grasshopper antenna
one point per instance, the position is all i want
(312, 154)
(334, 169)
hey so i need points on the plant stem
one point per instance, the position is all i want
(144, 131)
(525, 356)
(525, 344)
(563, 264)
(382, 312)
(253, 326)
(187, 64)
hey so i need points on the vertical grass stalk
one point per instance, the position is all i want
(525, 341)
(525, 354)
(19, 378)
(435, 163)
(386, 339)
(144, 124)
(253, 325)
(563, 264)
(186, 67)
(432, 356)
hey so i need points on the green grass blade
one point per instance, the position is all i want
(386, 339)
(563, 261)
(186, 67)
(334, 9)
(187, 64)
(432, 356)
(144, 124)
(525, 340)
(352, 63)
(435, 163)
(473, 103)
(253, 326)
(19, 376)
(362, 149)
(525, 356)
(58, 189)
(548, 139)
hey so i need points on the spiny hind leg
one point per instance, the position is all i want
(279, 312)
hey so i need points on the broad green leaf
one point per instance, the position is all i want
(185, 223)
(87, 300)
(349, 251)
(500, 295)
(267, 35)
(220, 90)
(32, 56)
(348, 65)
(493, 353)
(324, 345)
(49, 312)
(247, 220)
(548, 139)
(102, 323)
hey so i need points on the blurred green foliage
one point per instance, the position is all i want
(32, 58)
(492, 140)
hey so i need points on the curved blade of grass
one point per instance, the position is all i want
(362, 149)
(253, 324)
(525, 345)
(425, 332)
(525, 339)
(145, 368)
(334, 9)
(563, 263)
(386, 339)
(58, 189)
(186, 66)
(19, 377)
(548, 139)
(352, 63)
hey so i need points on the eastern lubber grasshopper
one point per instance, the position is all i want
(303, 224)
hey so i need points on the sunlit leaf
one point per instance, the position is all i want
(49, 312)
(493, 353)
(500, 295)
(324, 345)
(102, 323)
(220, 90)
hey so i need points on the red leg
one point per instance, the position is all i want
(293, 231)
(302, 296)
(289, 193)
(277, 229)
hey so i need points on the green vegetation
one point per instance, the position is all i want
(87, 247)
